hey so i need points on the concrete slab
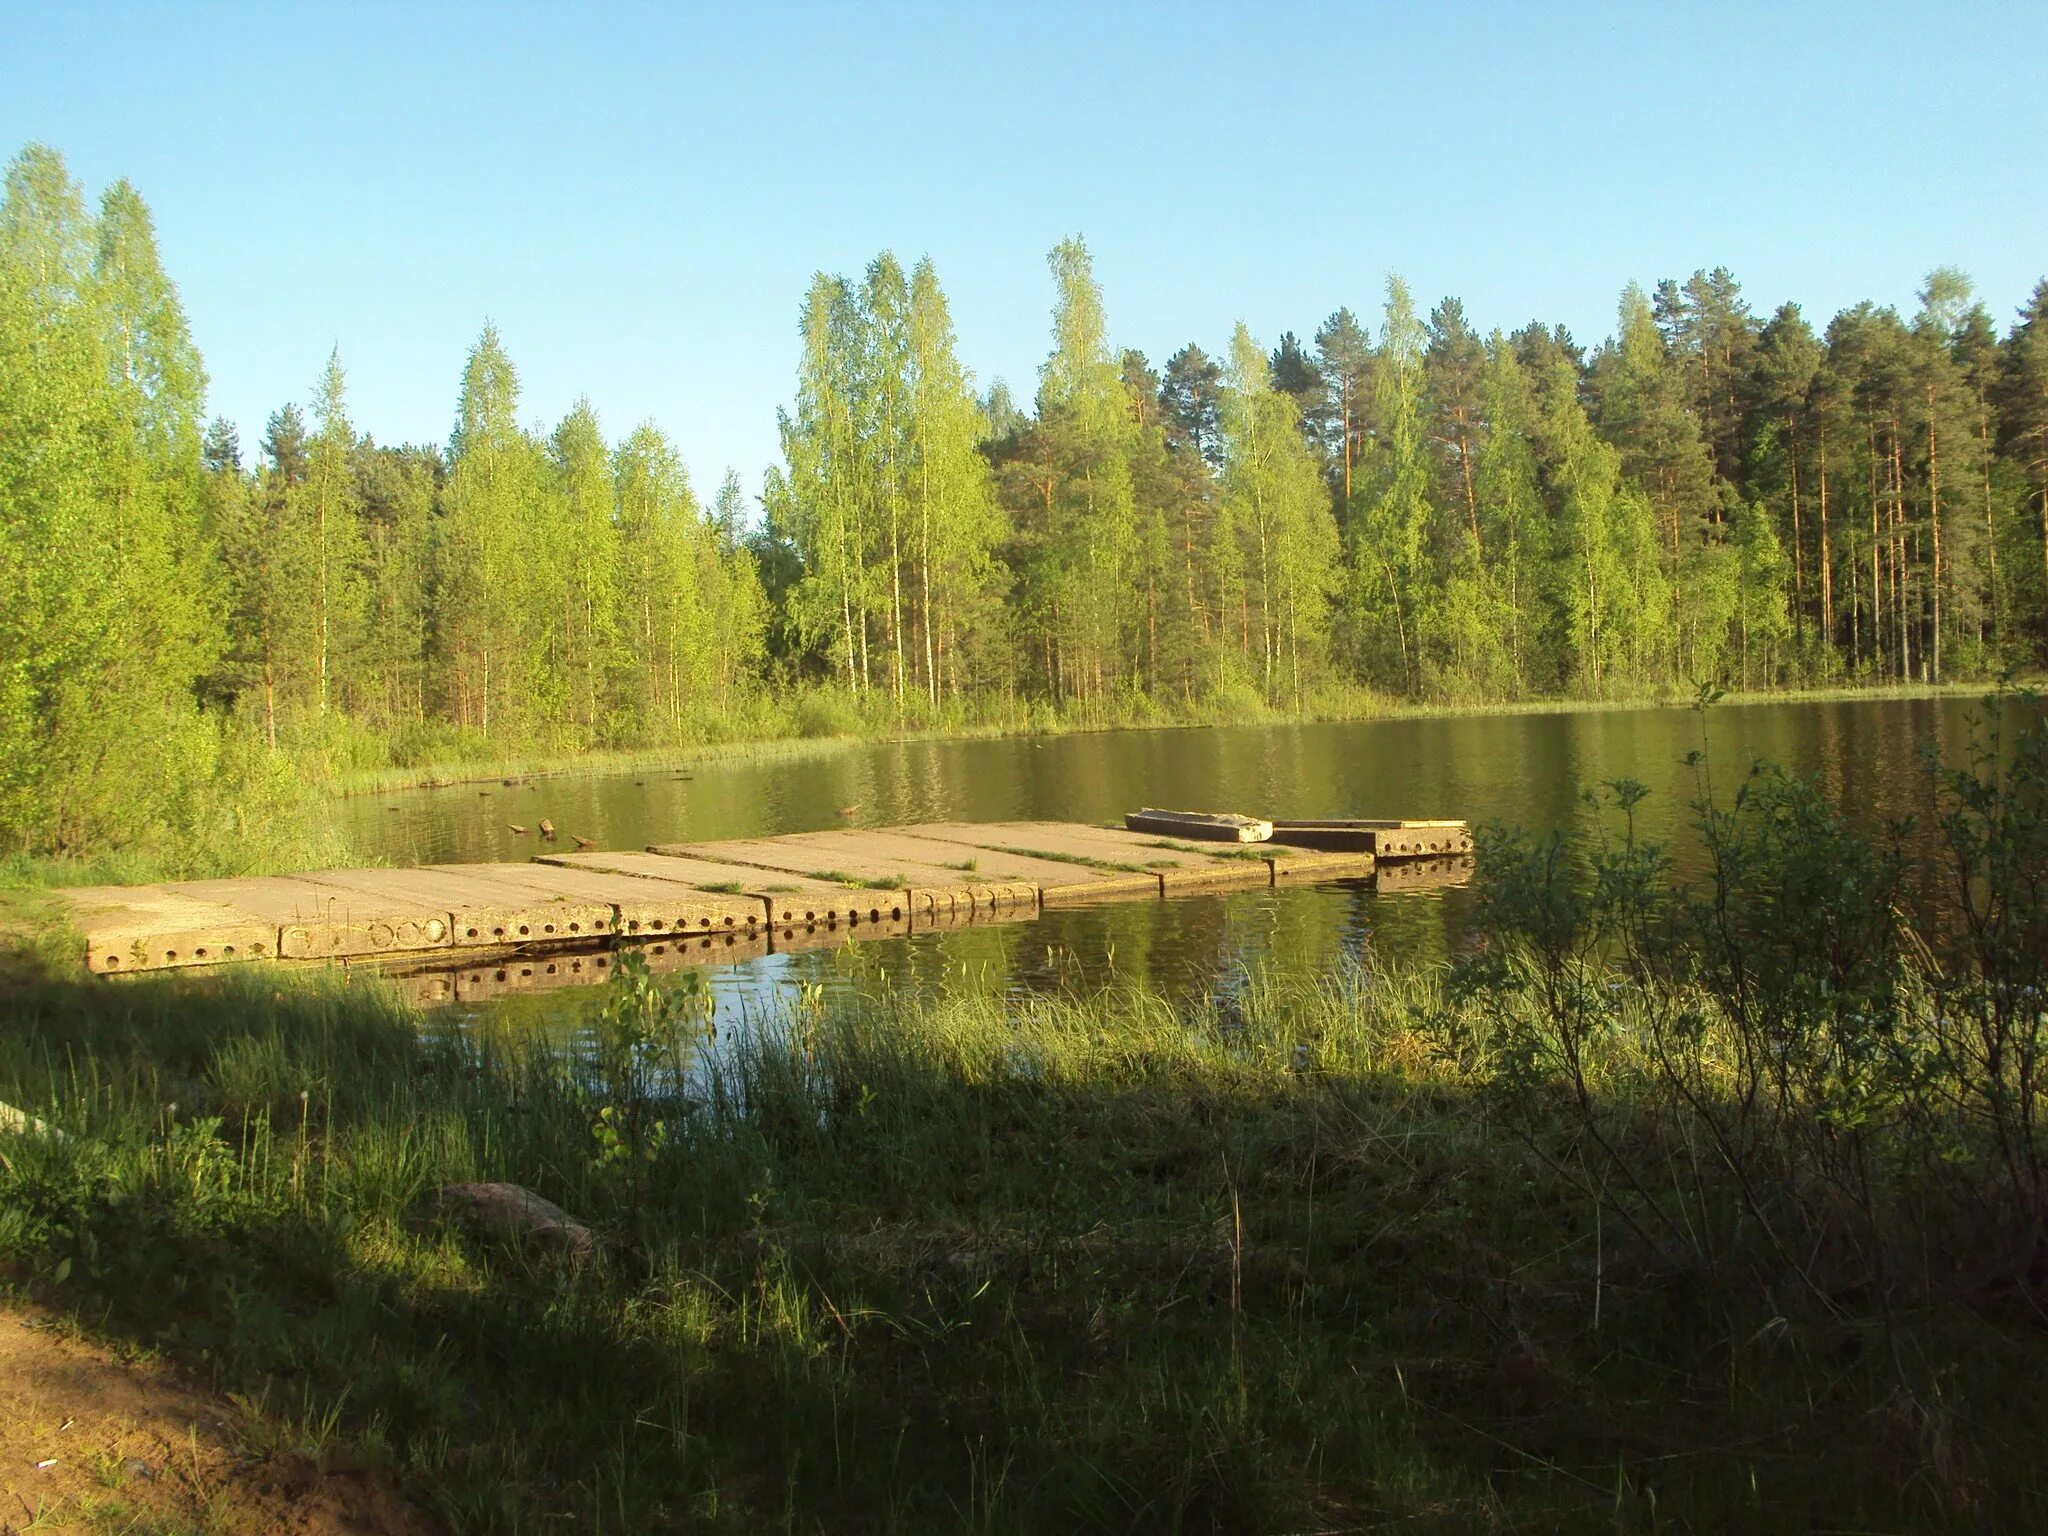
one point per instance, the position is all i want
(639, 906)
(480, 909)
(790, 898)
(868, 862)
(1108, 853)
(147, 928)
(318, 922)
(1385, 838)
(1075, 864)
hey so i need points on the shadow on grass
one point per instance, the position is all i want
(1085, 1266)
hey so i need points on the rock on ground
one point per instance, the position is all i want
(516, 1212)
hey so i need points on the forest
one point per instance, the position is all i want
(1399, 508)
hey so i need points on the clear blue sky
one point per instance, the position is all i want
(638, 195)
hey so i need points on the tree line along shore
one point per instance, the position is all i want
(1407, 512)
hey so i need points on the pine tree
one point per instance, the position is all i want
(1189, 395)
(1345, 352)
(1783, 457)
(2022, 398)
(1298, 376)
(1453, 366)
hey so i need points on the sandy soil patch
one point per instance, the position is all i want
(89, 1442)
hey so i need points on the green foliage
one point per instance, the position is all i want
(1425, 515)
(1866, 1098)
(645, 1035)
(1276, 499)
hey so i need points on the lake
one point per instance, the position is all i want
(1527, 770)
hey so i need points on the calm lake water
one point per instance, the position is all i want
(1530, 771)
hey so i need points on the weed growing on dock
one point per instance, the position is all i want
(1085, 861)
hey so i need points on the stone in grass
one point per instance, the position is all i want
(513, 1211)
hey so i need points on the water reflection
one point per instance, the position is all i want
(1529, 770)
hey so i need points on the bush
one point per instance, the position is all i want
(820, 712)
(1786, 1070)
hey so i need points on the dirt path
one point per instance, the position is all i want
(90, 1443)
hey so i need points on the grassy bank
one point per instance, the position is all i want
(1086, 1265)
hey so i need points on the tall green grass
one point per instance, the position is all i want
(1273, 1263)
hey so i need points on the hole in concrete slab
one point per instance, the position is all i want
(544, 928)
(522, 930)
(472, 933)
(497, 933)
(229, 950)
(728, 922)
(810, 917)
(575, 928)
(170, 954)
(703, 922)
(787, 918)
(199, 954)
(895, 914)
(113, 962)
(633, 926)
(874, 914)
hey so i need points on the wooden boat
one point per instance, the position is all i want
(1201, 826)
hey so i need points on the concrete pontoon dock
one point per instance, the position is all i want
(739, 896)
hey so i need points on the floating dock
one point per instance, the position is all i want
(737, 897)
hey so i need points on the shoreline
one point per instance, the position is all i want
(536, 765)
